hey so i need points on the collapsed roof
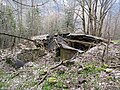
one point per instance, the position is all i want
(70, 41)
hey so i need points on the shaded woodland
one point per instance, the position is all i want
(59, 44)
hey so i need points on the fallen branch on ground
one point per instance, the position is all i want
(54, 67)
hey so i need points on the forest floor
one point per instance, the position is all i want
(96, 69)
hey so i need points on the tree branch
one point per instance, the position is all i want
(30, 5)
(38, 44)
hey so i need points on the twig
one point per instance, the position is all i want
(106, 49)
(103, 54)
(56, 66)
(42, 80)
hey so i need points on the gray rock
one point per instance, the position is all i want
(19, 63)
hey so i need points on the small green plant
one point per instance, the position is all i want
(52, 80)
(91, 69)
(56, 82)
(2, 85)
(91, 73)
(60, 85)
(109, 78)
(4, 76)
(48, 86)
(56, 86)
(105, 66)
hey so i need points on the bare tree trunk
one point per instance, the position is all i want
(21, 18)
(83, 16)
(90, 17)
(95, 17)
(32, 21)
(94, 11)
